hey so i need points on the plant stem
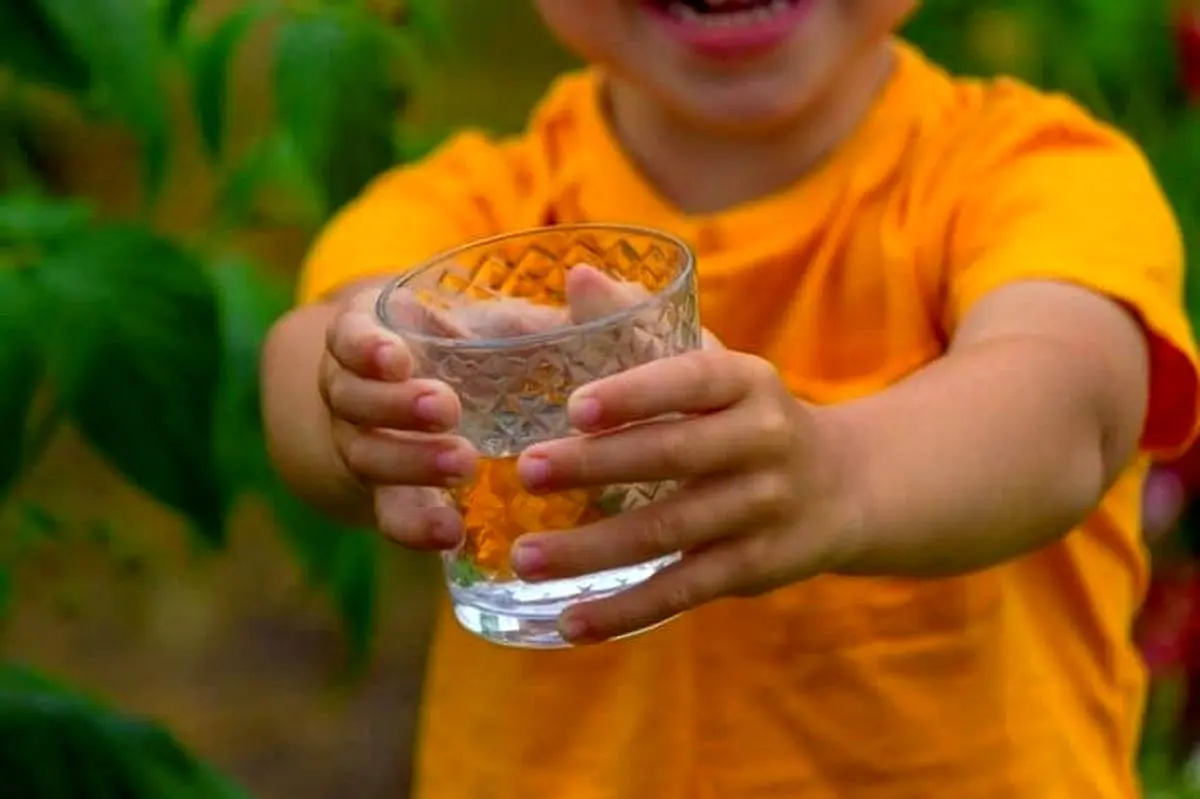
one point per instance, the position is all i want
(42, 434)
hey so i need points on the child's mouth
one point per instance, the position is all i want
(729, 27)
(724, 13)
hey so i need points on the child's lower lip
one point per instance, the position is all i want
(731, 40)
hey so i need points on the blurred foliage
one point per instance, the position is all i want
(60, 744)
(148, 344)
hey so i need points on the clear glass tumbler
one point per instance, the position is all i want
(498, 321)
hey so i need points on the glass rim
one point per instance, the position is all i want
(529, 339)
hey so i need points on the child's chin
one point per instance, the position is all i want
(742, 112)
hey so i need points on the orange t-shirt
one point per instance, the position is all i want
(1017, 682)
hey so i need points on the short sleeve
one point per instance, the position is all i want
(1073, 201)
(469, 188)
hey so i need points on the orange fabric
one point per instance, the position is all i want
(1017, 682)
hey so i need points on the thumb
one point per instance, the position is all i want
(592, 295)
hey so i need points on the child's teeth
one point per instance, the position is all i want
(727, 19)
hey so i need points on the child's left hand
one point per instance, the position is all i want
(759, 504)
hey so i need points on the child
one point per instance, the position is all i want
(953, 336)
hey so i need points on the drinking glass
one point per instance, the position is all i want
(494, 321)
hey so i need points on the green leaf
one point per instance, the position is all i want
(28, 219)
(426, 19)
(175, 15)
(122, 46)
(250, 303)
(134, 351)
(336, 99)
(270, 181)
(340, 563)
(413, 145)
(61, 745)
(35, 52)
(20, 372)
(343, 563)
(210, 66)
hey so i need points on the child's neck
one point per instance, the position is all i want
(702, 173)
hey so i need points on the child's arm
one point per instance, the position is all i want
(1062, 275)
(995, 450)
(469, 188)
(1001, 446)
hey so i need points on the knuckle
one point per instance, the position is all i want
(760, 371)
(358, 452)
(768, 494)
(676, 451)
(661, 533)
(579, 461)
(333, 332)
(325, 374)
(774, 424)
(337, 392)
(346, 329)
(365, 300)
(705, 366)
(678, 597)
(749, 557)
(356, 338)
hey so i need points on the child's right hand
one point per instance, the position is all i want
(393, 432)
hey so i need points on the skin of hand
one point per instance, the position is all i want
(394, 432)
(1049, 379)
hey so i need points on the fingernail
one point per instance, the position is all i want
(534, 471)
(427, 408)
(527, 559)
(456, 463)
(573, 628)
(584, 411)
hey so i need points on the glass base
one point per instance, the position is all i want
(525, 615)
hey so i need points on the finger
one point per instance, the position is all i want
(417, 518)
(361, 345)
(682, 586)
(701, 514)
(508, 317)
(696, 382)
(592, 295)
(497, 317)
(418, 405)
(389, 457)
(724, 442)
(403, 311)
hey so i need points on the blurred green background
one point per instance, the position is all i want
(163, 166)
